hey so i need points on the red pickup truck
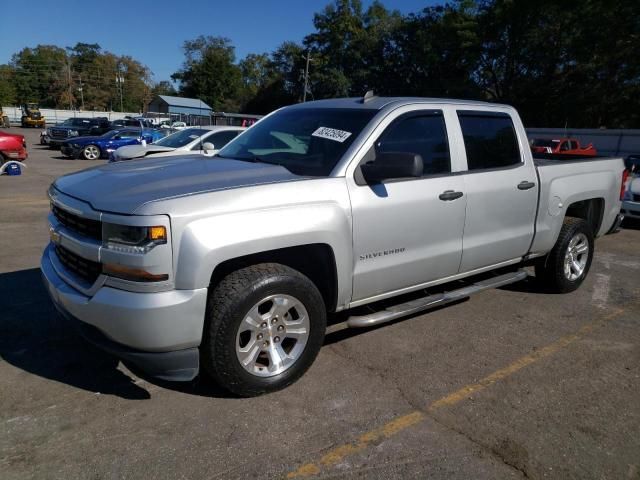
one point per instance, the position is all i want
(562, 146)
(12, 147)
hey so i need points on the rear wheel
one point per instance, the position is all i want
(91, 152)
(566, 266)
(264, 327)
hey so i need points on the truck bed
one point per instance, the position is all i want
(541, 159)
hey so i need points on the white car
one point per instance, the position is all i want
(174, 125)
(190, 141)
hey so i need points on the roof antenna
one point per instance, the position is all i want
(368, 96)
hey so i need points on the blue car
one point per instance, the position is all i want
(93, 148)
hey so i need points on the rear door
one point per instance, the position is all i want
(407, 232)
(501, 187)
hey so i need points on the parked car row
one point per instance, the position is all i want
(92, 126)
(190, 141)
(95, 147)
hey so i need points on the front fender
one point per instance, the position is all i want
(320, 214)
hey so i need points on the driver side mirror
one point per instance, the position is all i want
(207, 146)
(390, 165)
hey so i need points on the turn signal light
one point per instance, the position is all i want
(157, 233)
(133, 274)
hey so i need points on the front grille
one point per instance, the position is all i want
(59, 133)
(83, 268)
(83, 226)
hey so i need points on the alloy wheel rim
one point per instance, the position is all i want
(576, 256)
(91, 152)
(272, 335)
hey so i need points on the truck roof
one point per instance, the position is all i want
(378, 103)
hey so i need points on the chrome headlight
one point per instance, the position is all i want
(73, 133)
(130, 239)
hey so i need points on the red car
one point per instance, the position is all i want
(562, 146)
(12, 147)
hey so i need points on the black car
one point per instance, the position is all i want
(132, 122)
(77, 127)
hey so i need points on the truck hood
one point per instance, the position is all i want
(125, 186)
(136, 151)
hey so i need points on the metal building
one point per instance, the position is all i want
(192, 110)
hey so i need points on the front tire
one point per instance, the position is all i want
(91, 152)
(264, 327)
(564, 269)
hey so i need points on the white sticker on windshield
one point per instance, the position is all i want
(331, 134)
(193, 137)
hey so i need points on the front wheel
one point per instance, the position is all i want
(564, 269)
(91, 152)
(264, 327)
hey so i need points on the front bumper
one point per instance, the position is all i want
(631, 209)
(69, 151)
(56, 142)
(157, 332)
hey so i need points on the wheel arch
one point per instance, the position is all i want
(316, 261)
(590, 210)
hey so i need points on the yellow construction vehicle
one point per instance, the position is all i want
(4, 119)
(31, 116)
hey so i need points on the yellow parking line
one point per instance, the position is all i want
(399, 424)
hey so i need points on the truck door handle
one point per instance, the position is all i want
(449, 195)
(524, 185)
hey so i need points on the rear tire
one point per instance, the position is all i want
(264, 327)
(564, 269)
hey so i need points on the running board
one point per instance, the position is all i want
(432, 301)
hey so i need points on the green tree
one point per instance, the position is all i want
(163, 87)
(40, 74)
(209, 72)
(7, 86)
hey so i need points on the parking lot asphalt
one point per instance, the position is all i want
(512, 383)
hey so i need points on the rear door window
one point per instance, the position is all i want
(489, 139)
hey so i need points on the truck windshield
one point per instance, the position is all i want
(181, 138)
(306, 142)
(76, 122)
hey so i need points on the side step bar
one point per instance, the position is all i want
(431, 301)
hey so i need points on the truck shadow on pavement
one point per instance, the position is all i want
(34, 338)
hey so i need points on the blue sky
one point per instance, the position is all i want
(153, 31)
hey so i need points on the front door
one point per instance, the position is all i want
(407, 232)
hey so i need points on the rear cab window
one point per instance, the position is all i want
(490, 140)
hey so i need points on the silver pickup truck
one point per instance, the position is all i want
(232, 263)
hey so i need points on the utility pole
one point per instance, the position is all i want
(306, 77)
(70, 89)
(81, 93)
(119, 82)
